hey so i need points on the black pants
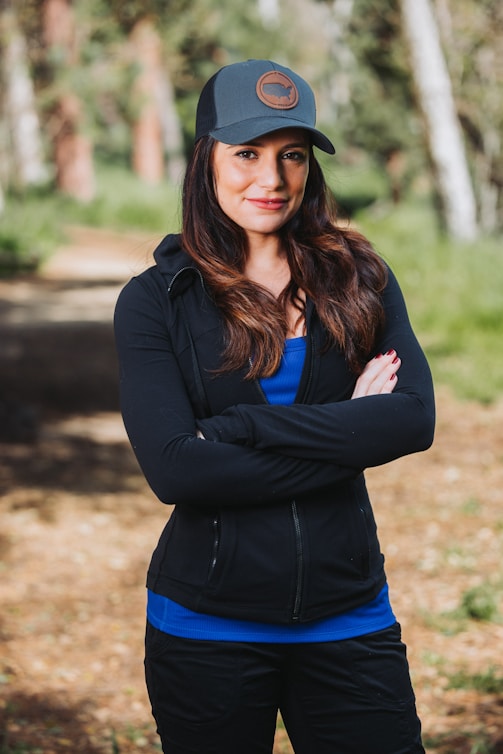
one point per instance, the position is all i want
(344, 697)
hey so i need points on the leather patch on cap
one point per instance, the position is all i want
(277, 90)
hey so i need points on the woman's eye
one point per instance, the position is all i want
(246, 154)
(294, 156)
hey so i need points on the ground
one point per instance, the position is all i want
(79, 523)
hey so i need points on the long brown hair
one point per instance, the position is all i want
(336, 267)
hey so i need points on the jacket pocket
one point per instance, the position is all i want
(186, 550)
(252, 561)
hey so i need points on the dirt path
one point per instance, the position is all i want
(79, 523)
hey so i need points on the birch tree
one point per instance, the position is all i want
(23, 165)
(473, 33)
(442, 125)
(337, 26)
(171, 128)
(268, 11)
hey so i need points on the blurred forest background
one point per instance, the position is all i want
(97, 106)
(97, 103)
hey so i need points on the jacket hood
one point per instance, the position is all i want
(175, 264)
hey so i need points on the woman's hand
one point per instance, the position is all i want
(379, 376)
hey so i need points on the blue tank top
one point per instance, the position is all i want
(169, 616)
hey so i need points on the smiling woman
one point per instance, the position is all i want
(260, 186)
(259, 363)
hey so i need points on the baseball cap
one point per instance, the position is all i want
(243, 101)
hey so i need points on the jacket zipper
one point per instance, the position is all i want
(299, 545)
(216, 545)
(299, 555)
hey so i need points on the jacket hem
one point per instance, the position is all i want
(193, 599)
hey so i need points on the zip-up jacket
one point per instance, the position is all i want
(272, 520)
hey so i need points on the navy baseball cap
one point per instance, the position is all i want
(246, 100)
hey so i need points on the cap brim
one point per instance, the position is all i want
(248, 130)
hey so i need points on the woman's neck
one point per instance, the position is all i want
(267, 265)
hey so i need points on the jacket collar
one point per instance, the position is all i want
(175, 265)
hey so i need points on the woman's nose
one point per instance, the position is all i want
(271, 174)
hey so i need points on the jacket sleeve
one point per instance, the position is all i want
(159, 420)
(361, 433)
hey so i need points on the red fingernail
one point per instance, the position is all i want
(395, 360)
(378, 356)
(393, 377)
(391, 350)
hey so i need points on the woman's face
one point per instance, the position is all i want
(260, 185)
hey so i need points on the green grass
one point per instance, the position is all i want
(17, 748)
(479, 603)
(487, 682)
(450, 743)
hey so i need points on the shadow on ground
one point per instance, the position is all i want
(36, 724)
(57, 353)
(31, 722)
(69, 463)
(60, 367)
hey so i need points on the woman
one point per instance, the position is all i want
(259, 360)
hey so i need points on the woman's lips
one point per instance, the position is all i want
(271, 204)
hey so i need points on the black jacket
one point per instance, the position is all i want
(272, 520)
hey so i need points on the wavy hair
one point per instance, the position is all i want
(336, 267)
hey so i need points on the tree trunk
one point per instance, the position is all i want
(336, 16)
(442, 125)
(148, 157)
(340, 51)
(73, 150)
(24, 161)
(171, 129)
(481, 116)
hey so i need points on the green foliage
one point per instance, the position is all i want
(487, 682)
(28, 233)
(453, 293)
(384, 118)
(124, 202)
(479, 603)
(355, 186)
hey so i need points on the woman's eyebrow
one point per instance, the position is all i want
(259, 143)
